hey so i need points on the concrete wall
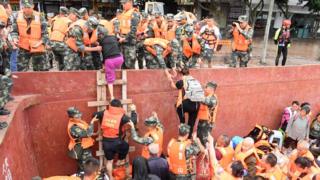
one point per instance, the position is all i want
(246, 97)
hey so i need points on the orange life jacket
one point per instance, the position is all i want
(240, 43)
(85, 142)
(188, 51)
(241, 156)
(150, 42)
(227, 156)
(275, 174)
(26, 41)
(157, 136)
(211, 39)
(294, 155)
(171, 33)
(159, 31)
(205, 114)
(59, 28)
(3, 15)
(62, 178)
(108, 25)
(125, 21)
(177, 160)
(142, 27)
(111, 122)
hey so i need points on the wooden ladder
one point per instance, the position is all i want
(102, 103)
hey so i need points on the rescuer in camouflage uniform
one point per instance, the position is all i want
(180, 34)
(129, 41)
(39, 60)
(141, 36)
(59, 48)
(74, 60)
(149, 122)
(5, 79)
(191, 62)
(192, 150)
(83, 12)
(77, 132)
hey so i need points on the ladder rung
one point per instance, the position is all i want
(132, 148)
(116, 82)
(99, 153)
(105, 103)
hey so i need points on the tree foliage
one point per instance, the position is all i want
(283, 6)
(255, 10)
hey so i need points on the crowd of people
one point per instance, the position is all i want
(290, 152)
(81, 41)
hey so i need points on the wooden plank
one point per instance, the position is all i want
(105, 103)
(124, 89)
(116, 82)
(132, 149)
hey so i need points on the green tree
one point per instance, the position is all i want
(283, 6)
(255, 10)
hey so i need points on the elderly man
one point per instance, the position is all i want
(246, 153)
(157, 165)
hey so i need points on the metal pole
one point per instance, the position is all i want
(266, 33)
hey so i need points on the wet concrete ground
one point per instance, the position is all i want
(302, 52)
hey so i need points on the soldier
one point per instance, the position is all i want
(191, 48)
(84, 13)
(5, 80)
(170, 28)
(180, 152)
(129, 21)
(141, 36)
(154, 135)
(158, 26)
(79, 42)
(210, 35)
(242, 39)
(207, 113)
(116, 23)
(80, 133)
(29, 32)
(60, 25)
(156, 52)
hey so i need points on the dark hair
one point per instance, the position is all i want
(140, 169)
(226, 140)
(272, 159)
(91, 166)
(303, 162)
(305, 104)
(237, 169)
(259, 178)
(295, 102)
(306, 108)
(185, 71)
(116, 103)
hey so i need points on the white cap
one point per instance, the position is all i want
(153, 148)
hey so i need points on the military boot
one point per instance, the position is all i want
(4, 112)
(3, 125)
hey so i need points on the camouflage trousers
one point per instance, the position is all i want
(242, 56)
(207, 55)
(97, 60)
(39, 61)
(189, 62)
(59, 51)
(80, 154)
(87, 61)
(5, 89)
(129, 53)
(203, 130)
(71, 60)
(140, 54)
